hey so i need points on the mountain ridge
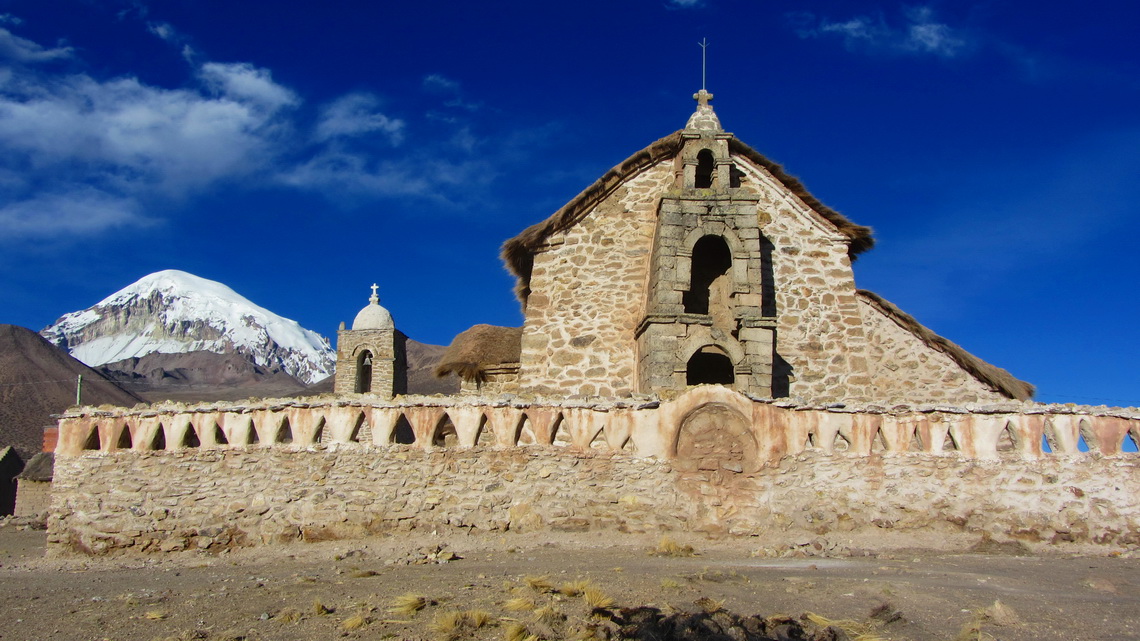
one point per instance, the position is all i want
(174, 312)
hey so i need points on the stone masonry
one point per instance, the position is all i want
(709, 460)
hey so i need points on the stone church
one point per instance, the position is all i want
(698, 260)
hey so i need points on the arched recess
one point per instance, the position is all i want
(710, 278)
(402, 433)
(559, 432)
(219, 435)
(524, 432)
(93, 441)
(159, 440)
(361, 430)
(124, 442)
(445, 434)
(485, 433)
(363, 383)
(190, 438)
(284, 433)
(736, 250)
(710, 365)
(706, 169)
(715, 437)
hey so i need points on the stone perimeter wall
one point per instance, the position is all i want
(603, 465)
(216, 499)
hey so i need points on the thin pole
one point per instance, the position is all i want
(79, 390)
(704, 51)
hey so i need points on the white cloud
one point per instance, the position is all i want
(247, 83)
(163, 30)
(921, 33)
(356, 115)
(437, 83)
(81, 211)
(13, 47)
(685, 4)
(133, 135)
(80, 154)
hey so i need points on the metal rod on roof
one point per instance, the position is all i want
(704, 51)
(79, 391)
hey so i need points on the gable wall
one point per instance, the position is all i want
(819, 331)
(588, 294)
(904, 369)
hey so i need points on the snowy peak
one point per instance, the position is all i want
(173, 312)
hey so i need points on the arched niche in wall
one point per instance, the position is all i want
(363, 372)
(710, 278)
(710, 365)
(706, 169)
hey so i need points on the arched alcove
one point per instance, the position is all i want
(445, 434)
(364, 372)
(705, 169)
(710, 365)
(190, 438)
(93, 442)
(124, 442)
(710, 284)
(402, 433)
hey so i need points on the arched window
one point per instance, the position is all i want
(710, 278)
(705, 167)
(710, 365)
(364, 372)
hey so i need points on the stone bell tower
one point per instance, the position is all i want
(710, 313)
(371, 357)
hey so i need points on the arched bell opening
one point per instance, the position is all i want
(710, 365)
(706, 168)
(364, 372)
(710, 285)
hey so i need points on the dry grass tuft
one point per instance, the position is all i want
(670, 584)
(518, 632)
(355, 622)
(408, 604)
(539, 583)
(360, 574)
(549, 616)
(452, 625)
(155, 615)
(668, 547)
(289, 615)
(1001, 614)
(597, 599)
(855, 630)
(520, 604)
(573, 588)
(709, 606)
(320, 609)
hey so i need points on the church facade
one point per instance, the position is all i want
(698, 260)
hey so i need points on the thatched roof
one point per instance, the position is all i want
(1002, 380)
(40, 468)
(479, 348)
(518, 252)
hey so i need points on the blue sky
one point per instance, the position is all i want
(298, 153)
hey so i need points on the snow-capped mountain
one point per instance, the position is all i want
(173, 312)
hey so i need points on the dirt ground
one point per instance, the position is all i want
(346, 589)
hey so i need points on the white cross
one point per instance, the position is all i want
(374, 288)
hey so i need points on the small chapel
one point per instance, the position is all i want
(695, 261)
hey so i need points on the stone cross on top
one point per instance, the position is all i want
(374, 299)
(702, 97)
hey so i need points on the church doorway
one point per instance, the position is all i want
(364, 372)
(710, 365)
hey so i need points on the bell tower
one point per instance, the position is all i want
(371, 357)
(710, 313)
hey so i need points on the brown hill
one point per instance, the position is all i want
(37, 379)
(200, 376)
